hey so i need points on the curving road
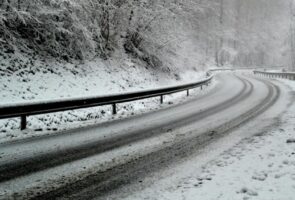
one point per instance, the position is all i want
(91, 162)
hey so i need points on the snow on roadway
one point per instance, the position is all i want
(259, 167)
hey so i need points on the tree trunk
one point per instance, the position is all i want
(18, 4)
(8, 5)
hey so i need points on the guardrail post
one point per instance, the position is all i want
(23, 122)
(114, 109)
(187, 93)
(161, 99)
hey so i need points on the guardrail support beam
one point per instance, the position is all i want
(114, 109)
(23, 122)
(161, 99)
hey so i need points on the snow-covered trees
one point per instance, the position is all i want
(162, 33)
(54, 27)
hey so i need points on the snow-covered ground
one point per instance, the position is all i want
(260, 166)
(31, 79)
(58, 176)
(26, 78)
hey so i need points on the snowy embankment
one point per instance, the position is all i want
(260, 166)
(31, 79)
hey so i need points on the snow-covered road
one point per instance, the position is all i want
(254, 162)
(92, 162)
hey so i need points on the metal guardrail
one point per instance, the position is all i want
(232, 69)
(29, 109)
(285, 75)
(221, 70)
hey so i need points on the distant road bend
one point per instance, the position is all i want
(91, 162)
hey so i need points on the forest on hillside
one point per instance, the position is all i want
(220, 32)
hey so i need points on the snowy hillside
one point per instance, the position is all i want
(31, 79)
(28, 79)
